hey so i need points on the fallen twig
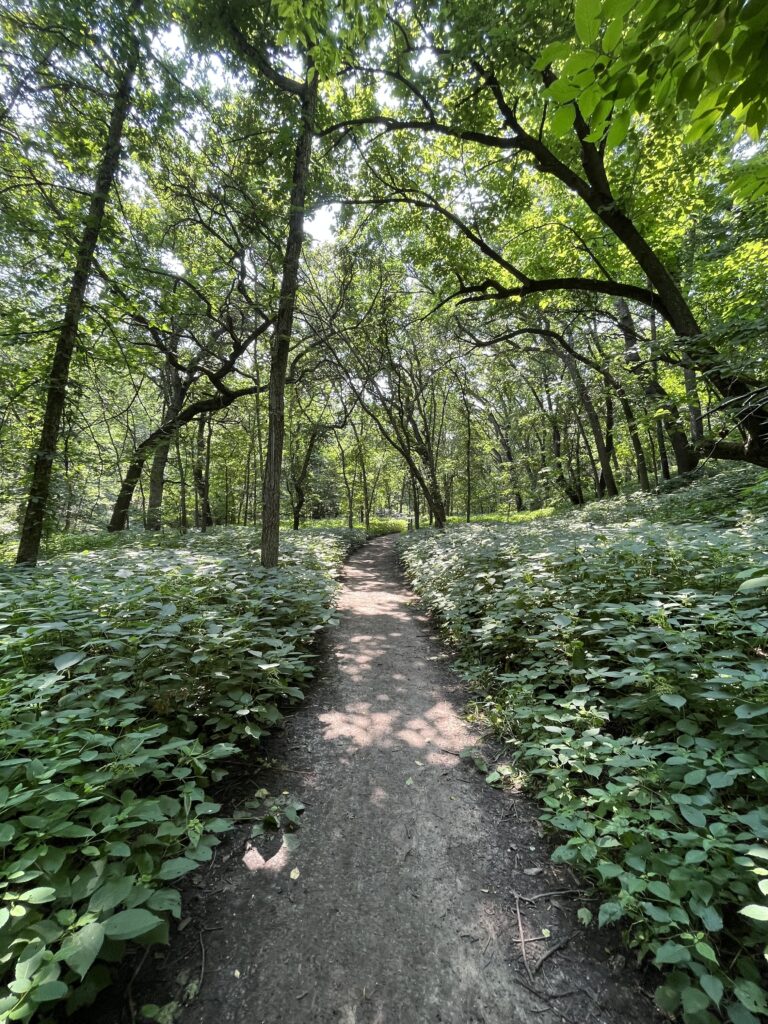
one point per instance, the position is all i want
(522, 936)
(543, 895)
(202, 962)
(553, 949)
(129, 989)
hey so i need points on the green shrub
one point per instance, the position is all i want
(129, 677)
(529, 515)
(622, 654)
(377, 527)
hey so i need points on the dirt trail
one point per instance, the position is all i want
(403, 912)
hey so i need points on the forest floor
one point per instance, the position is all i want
(416, 880)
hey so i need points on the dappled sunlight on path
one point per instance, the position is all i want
(386, 908)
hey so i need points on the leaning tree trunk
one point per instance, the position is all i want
(637, 445)
(222, 400)
(157, 486)
(686, 457)
(607, 481)
(281, 343)
(58, 379)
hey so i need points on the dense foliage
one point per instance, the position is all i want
(280, 264)
(131, 677)
(620, 652)
(545, 281)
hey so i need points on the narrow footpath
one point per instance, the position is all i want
(411, 869)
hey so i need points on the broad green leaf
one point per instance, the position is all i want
(712, 986)
(68, 660)
(609, 913)
(750, 995)
(756, 583)
(176, 867)
(41, 894)
(49, 991)
(672, 953)
(694, 1000)
(675, 700)
(80, 949)
(755, 911)
(586, 15)
(130, 924)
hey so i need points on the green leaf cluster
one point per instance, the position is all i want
(130, 677)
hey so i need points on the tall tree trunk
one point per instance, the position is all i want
(58, 378)
(694, 405)
(157, 485)
(281, 342)
(573, 494)
(183, 519)
(608, 481)
(297, 506)
(637, 445)
(259, 441)
(469, 462)
(685, 456)
(204, 519)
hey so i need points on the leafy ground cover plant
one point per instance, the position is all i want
(506, 517)
(622, 653)
(99, 540)
(129, 677)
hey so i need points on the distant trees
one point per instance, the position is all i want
(547, 282)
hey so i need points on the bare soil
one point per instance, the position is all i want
(416, 880)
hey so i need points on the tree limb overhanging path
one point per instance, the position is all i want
(415, 879)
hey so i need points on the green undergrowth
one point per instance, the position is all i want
(129, 678)
(527, 516)
(377, 526)
(622, 653)
(100, 540)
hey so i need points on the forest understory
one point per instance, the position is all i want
(292, 284)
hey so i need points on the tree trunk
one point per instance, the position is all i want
(637, 445)
(281, 343)
(685, 456)
(183, 520)
(469, 463)
(205, 519)
(607, 481)
(157, 485)
(694, 405)
(297, 506)
(58, 379)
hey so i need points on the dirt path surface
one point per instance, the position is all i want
(404, 910)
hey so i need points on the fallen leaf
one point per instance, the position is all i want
(532, 871)
(546, 932)
(295, 874)
(409, 782)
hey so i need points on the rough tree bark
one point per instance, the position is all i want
(281, 341)
(58, 379)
